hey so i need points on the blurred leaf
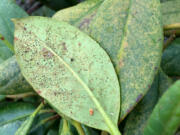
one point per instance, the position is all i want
(11, 80)
(12, 115)
(59, 4)
(64, 128)
(137, 67)
(171, 12)
(137, 119)
(171, 59)
(165, 118)
(43, 11)
(42, 123)
(166, 0)
(8, 10)
(64, 58)
(2, 97)
(54, 129)
(26, 125)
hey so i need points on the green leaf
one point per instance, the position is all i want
(25, 127)
(57, 4)
(42, 123)
(171, 59)
(8, 10)
(2, 97)
(118, 26)
(64, 128)
(80, 15)
(11, 80)
(171, 12)
(70, 70)
(165, 118)
(12, 115)
(137, 119)
(43, 11)
(131, 33)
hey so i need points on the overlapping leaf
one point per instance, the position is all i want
(171, 59)
(11, 79)
(118, 27)
(12, 115)
(137, 119)
(131, 33)
(165, 118)
(8, 10)
(81, 15)
(69, 69)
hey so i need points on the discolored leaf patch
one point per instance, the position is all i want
(72, 80)
(118, 26)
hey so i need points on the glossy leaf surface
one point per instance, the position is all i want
(12, 115)
(165, 118)
(68, 69)
(8, 10)
(11, 80)
(26, 125)
(171, 59)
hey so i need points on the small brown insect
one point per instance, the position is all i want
(91, 112)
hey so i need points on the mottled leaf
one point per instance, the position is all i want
(171, 12)
(11, 79)
(8, 10)
(115, 23)
(131, 33)
(69, 69)
(171, 59)
(137, 119)
(165, 118)
(12, 115)
(80, 15)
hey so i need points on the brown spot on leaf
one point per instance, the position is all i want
(25, 28)
(64, 46)
(47, 53)
(79, 44)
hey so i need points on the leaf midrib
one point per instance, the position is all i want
(15, 119)
(110, 124)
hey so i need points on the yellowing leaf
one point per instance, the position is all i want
(70, 70)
